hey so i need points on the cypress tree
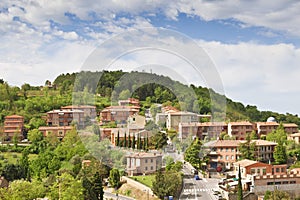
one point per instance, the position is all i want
(240, 188)
(144, 144)
(97, 186)
(133, 142)
(118, 139)
(129, 141)
(125, 140)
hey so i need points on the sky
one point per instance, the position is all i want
(251, 46)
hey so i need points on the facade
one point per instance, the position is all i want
(264, 128)
(59, 131)
(239, 130)
(223, 153)
(65, 117)
(174, 118)
(89, 111)
(137, 120)
(143, 163)
(13, 124)
(250, 167)
(118, 114)
(129, 102)
(290, 128)
(295, 137)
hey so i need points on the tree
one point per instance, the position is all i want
(240, 187)
(24, 163)
(191, 154)
(12, 172)
(97, 186)
(125, 94)
(167, 184)
(159, 140)
(118, 140)
(129, 141)
(280, 154)
(278, 135)
(253, 135)
(276, 195)
(114, 177)
(133, 142)
(247, 148)
(125, 140)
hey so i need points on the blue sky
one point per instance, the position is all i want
(253, 45)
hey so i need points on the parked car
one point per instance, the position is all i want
(197, 177)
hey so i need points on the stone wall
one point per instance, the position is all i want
(137, 185)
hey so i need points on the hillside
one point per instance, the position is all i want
(32, 102)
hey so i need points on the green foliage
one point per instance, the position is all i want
(191, 154)
(13, 172)
(114, 178)
(159, 140)
(174, 166)
(167, 184)
(278, 135)
(280, 154)
(247, 148)
(240, 187)
(277, 194)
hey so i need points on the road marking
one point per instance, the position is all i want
(198, 190)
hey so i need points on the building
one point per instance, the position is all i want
(118, 114)
(137, 120)
(13, 124)
(129, 102)
(143, 163)
(295, 137)
(174, 118)
(58, 131)
(88, 111)
(251, 167)
(65, 118)
(223, 153)
(290, 128)
(264, 128)
(239, 130)
(122, 131)
(189, 129)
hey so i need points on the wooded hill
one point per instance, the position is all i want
(32, 102)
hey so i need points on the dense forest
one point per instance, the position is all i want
(102, 88)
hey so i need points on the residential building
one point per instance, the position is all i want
(239, 130)
(88, 111)
(251, 167)
(13, 124)
(223, 153)
(189, 129)
(295, 137)
(264, 128)
(290, 128)
(65, 118)
(129, 102)
(118, 114)
(58, 131)
(137, 120)
(174, 118)
(143, 163)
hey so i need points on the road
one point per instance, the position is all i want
(198, 189)
(108, 195)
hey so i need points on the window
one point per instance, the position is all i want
(146, 168)
(285, 182)
(146, 161)
(221, 149)
(232, 149)
(258, 171)
(226, 149)
(264, 171)
(232, 157)
(227, 157)
(252, 171)
(292, 182)
(277, 170)
(151, 167)
(151, 160)
(282, 169)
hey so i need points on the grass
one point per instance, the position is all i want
(146, 180)
(13, 157)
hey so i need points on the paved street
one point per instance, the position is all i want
(198, 189)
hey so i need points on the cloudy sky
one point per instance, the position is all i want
(254, 45)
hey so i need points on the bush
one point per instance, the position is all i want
(14, 155)
(1, 157)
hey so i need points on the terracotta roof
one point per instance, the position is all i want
(245, 162)
(213, 124)
(65, 111)
(14, 116)
(267, 123)
(245, 123)
(55, 128)
(182, 113)
(236, 143)
(290, 125)
(144, 155)
(77, 106)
